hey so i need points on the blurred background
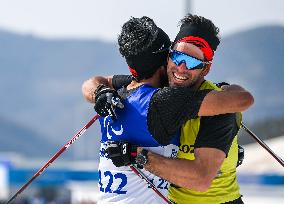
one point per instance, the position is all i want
(48, 48)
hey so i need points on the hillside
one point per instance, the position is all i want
(254, 59)
(40, 82)
(15, 137)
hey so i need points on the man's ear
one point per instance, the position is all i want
(206, 70)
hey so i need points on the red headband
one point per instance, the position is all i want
(201, 43)
(133, 72)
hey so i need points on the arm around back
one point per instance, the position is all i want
(89, 86)
(114, 82)
(192, 174)
(233, 99)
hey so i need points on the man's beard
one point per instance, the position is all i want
(192, 82)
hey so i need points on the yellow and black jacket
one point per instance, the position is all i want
(197, 133)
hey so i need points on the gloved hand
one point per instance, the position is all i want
(122, 153)
(220, 84)
(106, 100)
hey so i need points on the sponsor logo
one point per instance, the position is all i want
(110, 129)
(174, 153)
(124, 148)
(187, 148)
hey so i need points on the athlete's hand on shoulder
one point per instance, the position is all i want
(222, 85)
(122, 153)
(106, 100)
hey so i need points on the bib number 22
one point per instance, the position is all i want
(111, 179)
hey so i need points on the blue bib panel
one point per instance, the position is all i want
(119, 185)
(131, 124)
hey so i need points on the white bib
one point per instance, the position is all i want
(120, 185)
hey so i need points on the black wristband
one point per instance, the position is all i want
(142, 159)
(144, 152)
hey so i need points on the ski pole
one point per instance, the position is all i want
(42, 169)
(152, 186)
(262, 143)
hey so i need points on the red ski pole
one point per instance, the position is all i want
(152, 186)
(42, 169)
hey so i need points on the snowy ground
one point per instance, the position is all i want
(259, 162)
(253, 194)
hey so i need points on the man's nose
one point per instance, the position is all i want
(182, 66)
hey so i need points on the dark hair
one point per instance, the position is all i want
(144, 46)
(201, 22)
(136, 36)
(193, 25)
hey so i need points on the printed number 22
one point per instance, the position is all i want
(162, 184)
(108, 189)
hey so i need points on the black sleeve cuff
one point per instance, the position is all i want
(119, 81)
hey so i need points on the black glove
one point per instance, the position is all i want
(106, 100)
(122, 153)
(220, 84)
(241, 155)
